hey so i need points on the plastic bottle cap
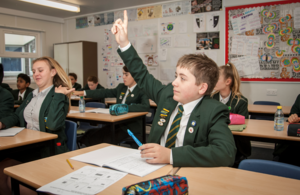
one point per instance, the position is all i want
(58, 144)
(279, 107)
(81, 97)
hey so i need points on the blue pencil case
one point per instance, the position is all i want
(118, 109)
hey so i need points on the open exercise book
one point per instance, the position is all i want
(99, 110)
(11, 131)
(119, 158)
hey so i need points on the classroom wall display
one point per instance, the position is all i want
(150, 12)
(81, 22)
(208, 41)
(263, 40)
(199, 6)
(176, 8)
(131, 14)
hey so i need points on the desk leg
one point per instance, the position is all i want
(113, 134)
(15, 189)
(144, 129)
(52, 147)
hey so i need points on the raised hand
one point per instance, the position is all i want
(119, 29)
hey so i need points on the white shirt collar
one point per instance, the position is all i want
(189, 107)
(44, 92)
(225, 100)
(21, 94)
(132, 88)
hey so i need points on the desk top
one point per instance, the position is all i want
(152, 103)
(77, 98)
(265, 129)
(102, 117)
(43, 171)
(25, 137)
(267, 109)
(225, 180)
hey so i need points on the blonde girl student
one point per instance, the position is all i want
(44, 109)
(227, 91)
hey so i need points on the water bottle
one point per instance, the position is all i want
(279, 119)
(81, 105)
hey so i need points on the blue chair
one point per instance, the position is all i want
(71, 129)
(84, 125)
(268, 117)
(271, 167)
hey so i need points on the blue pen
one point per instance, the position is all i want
(135, 139)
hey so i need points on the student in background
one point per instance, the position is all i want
(4, 85)
(289, 153)
(189, 128)
(6, 98)
(45, 109)
(92, 84)
(227, 91)
(73, 78)
(23, 82)
(126, 93)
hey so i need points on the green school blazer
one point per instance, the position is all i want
(6, 103)
(6, 86)
(77, 86)
(296, 107)
(15, 93)
(240, 108)
(86, 87)
(138, 102)
(52, 118)
(209, 143)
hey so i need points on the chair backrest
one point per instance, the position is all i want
(149, 119)
(271, 167)
(95, 104)
(71, 132)
(266, 103)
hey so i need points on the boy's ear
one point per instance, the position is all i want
(27, 85)
(203, 88)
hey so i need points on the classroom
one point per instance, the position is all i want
(264, 60)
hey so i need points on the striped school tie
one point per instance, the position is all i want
(20, 98)
(171, 139)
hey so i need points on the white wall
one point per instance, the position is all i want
(287, 92)
(51, 32)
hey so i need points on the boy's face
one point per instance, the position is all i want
(92, 85)
(128, 79)
(184, 86)
(21, 84)
(73, 81)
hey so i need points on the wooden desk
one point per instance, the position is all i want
(263, 109)
(109, 119)
(38, 173)
(109, 102)
(225, 180)
(16, 106)
(78, 98)
(263, 130)
(26, 139)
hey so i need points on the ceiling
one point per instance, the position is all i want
(86, 6)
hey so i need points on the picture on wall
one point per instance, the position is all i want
(209, 40)
(200, 6)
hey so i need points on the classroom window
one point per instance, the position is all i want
(15, 66)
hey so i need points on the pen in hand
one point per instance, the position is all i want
(134, 138)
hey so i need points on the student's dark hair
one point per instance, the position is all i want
(73, 75)
(125, 69)
(25, 77)
(1, 73)
(203, 68)
(93, 79)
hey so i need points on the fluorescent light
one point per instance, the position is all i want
(56, 4)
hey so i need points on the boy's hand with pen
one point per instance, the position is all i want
(159, 153)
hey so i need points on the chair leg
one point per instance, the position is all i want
(78, 145)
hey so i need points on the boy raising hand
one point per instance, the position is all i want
(189, 128)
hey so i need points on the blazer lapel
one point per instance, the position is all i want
(122, 94)
(44, 107)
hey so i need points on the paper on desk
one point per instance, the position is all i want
(73, 111)
(10, 131)
(86, 181)
(74, 97)
(99, 110)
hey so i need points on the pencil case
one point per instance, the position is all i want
(118, 109)
(236, 119)
(293, 130)
(167, 185)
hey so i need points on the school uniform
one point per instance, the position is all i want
(49, 118)
(6, 103)
(136, 100)
(207, 140)
(243, 144)
(6, 86)
(289, 153)
(19, 98)
(77, 86)
(86, 87)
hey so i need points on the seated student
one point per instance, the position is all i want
(23, 90)
(6, 98)
(45, 109)
(92, 84)
(289, 153)
(73, 78)
(189, 128)
(228, 92)
(126, 93)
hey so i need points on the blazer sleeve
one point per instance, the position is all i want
(218, 151)
(86, 87)
(143, 106)
(6, 105)
(77, 87)
(102, 93)
(296, 107)
(146, 82)
(243, 108)
(57, 112)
